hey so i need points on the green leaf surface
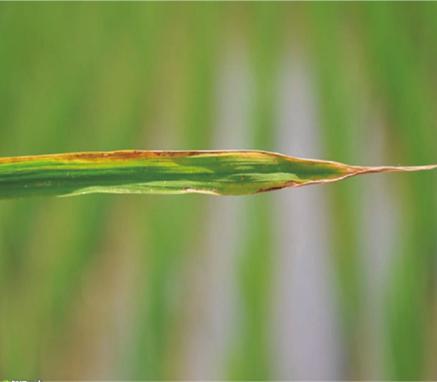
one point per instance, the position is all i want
(241, 172)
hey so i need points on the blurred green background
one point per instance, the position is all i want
(333, 282)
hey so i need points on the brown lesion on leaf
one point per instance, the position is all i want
(136, 154)
(102, 156)
(145, 154)
(126, 155)
(280, 187)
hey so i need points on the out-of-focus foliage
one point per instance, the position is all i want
(152, 287)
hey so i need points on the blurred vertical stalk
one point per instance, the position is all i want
(49, 302)
(337, 106)
(403, 75)
(87, 225)
(173, 239)
(251, 358)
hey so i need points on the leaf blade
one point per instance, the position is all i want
(233, 172)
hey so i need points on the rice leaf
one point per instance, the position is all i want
(239, 172)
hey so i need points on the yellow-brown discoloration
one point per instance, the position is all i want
(122, 155)
(103, 156)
